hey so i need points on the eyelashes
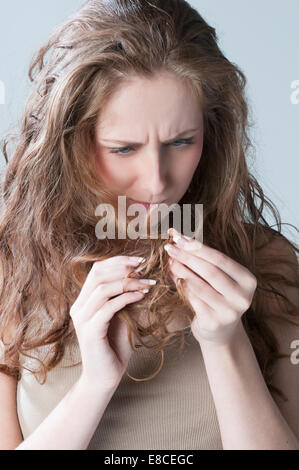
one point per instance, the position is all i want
(120, 151)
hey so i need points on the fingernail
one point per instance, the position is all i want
(145, 291)
(169, 248)
(141, 260)
(152, 282)
(181, 240)
(176, 238)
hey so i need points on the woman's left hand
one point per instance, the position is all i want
(219, 289)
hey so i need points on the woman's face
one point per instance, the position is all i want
(149, 140)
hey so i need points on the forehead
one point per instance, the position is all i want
(163, 102)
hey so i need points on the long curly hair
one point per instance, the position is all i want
(50, 189)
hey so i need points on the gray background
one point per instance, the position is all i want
(260, 36)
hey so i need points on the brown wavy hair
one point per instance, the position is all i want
(50, 189)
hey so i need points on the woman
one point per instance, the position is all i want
(135, 98)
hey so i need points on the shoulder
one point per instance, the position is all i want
(278, 259)
(278, 264)
(277, 247)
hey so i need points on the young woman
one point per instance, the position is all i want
(135, 98)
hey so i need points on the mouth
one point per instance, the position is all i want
(147, 205)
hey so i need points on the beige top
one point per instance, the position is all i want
(173, 411)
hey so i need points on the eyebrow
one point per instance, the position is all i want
(139, 143)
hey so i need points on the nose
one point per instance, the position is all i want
(154, 175)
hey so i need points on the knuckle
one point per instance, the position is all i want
(250, 280)
(98, 272)
(73, 315)
(230, 316)
(244, 303)
(127, 269)
(73, 309)
(97, 267)
(131, 282)
(101, 290)
(253, 283)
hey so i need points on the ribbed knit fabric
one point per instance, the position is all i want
(172, 411)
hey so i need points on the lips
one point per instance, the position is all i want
(147, 205)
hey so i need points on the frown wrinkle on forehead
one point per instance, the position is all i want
(160, 109)
(167, 141)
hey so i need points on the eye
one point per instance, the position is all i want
(184, 141)
(124, 150)
(120, 150)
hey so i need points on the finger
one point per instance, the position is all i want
(217, 300)
(229, 266)
(201, 289)
(207, 323)
(204, 314)
(218, 279)
(103, 292)
(102, 318)
(222, 310)
(118, 336)
(104, 271)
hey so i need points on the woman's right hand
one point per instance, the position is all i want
(105, 356)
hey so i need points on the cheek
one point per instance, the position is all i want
(184, 169)
(196, 153)
(193, 161)
(111, 173)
